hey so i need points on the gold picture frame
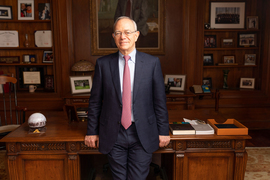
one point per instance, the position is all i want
(102, 20)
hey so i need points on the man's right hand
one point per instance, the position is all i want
(91, 141)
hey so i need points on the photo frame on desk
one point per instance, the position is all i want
(152, 29)
(6, 12)
(221, 19)
(176, 82)
(80, 84)
(30, 75)
(26, 10)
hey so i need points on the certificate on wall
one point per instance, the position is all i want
(31, 77)
(43, 38)
(9, 39)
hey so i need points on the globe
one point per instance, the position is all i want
(37, 120)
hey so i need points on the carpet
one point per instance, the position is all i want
(258, 164)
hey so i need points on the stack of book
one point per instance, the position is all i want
(82, 113)
(181, 128)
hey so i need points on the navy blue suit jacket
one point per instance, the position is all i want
(149, 102)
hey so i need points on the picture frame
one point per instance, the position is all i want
(207, 81)
(176, 82)
(247, 83)
(44, 11)
(80, 84)
(252, 22)
(29, 58)
(227, 15)
(9, 59)
(47, 57)
(210, 41)
(6, 12)
(9, 38)
(20, 71)
(250, 59)
(208, 60)
(49, 83)
(228, 59)
(247, 39)
(26, 10)
(102, 20)
(227, 42)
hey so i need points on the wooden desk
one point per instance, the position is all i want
(175, 100)
(55, 154)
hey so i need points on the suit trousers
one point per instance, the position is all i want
(128, 160)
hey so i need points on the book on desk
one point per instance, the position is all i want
(182, 129)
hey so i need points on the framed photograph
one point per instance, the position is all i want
(26, 10)
(247, 83)
(210, 41)
(207, 81)
(9, 39)
(247, 40)
(9, 59)
(47, 57)
(227, 42)
(44, 11)
(48, 83)
(29, 58)
(250, 59)
(227, 15)
(152, 25)
(176, 82)
(208, 60)
(6, 12)
(80, 84)
(229, 59)
(252, 22)
(30, 75)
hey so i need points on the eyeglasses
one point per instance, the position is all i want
(126, 33)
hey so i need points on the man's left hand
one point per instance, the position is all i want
(164, 140)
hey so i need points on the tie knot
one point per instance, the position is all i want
(126, 57)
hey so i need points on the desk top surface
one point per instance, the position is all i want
(59, 130)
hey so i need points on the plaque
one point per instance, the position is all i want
(48, 83)
(9, 59)
(9, 39)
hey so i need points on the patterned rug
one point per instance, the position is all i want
(258, 164)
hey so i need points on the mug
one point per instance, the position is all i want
(32, 88)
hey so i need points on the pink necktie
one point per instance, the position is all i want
(126, 96)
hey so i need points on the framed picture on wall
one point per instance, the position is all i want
(227, 42)
(26, 10)
(5, 12)
(229, 59)
(226, 15)
(176, 82)
(252, 22)
(47, 57)
(247, 83)
(247, 40)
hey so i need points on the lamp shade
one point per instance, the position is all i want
(83, 65)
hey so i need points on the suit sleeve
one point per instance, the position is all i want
(159, 98)
(95, 102)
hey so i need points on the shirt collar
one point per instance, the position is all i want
(132, 55)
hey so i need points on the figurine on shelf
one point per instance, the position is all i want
(26, 42)
(225, 76)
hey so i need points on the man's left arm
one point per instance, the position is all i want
(159, 98)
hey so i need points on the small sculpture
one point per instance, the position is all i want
(37, 122)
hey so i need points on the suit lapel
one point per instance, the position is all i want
(115, 75)
(138, 76)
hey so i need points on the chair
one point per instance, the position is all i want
(11, 115)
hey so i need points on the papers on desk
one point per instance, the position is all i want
(200, 129)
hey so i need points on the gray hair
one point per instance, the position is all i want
(125, 17)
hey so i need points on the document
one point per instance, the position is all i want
(9, 39)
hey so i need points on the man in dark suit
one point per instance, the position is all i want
(128, 132)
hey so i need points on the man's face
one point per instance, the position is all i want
(23, 6)
(125, 43)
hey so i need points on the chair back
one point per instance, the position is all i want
(9, 101)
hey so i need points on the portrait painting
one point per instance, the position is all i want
(148, 15)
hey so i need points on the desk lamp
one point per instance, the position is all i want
(83, 66)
